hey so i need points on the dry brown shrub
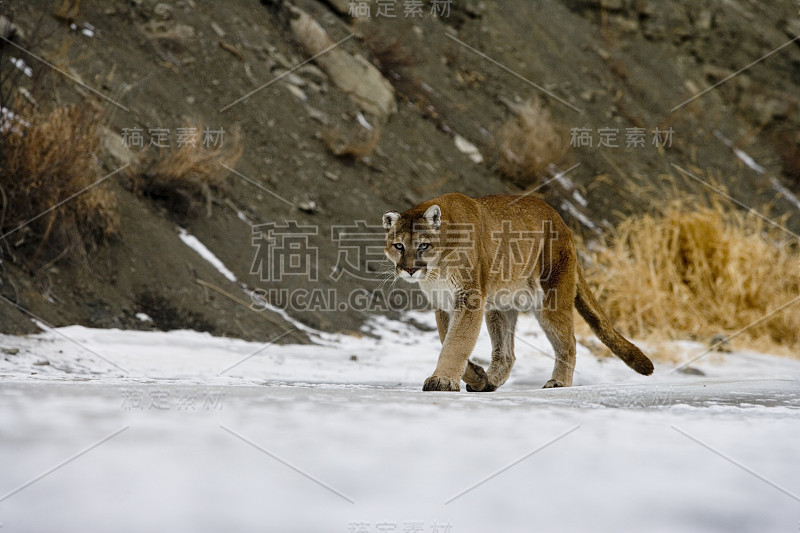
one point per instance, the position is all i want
(391, 51)
(788, 148)
(356, 142)
(528, 143)
(51, 206)
(67, 10)
(697, 271)
(182, 177)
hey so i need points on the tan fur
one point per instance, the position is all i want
(496, 256)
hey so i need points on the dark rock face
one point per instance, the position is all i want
(637, 85)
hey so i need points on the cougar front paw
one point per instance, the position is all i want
(476, 380)
(554, 383)
(441, 384)
(486, 388)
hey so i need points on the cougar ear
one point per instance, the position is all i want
(389, 218)
(433, 215)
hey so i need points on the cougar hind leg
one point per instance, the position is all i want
(556, 319)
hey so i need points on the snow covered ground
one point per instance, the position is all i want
(106, 430)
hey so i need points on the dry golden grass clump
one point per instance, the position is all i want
(528, 143)
(181, 177)
(700, 271)
(51, 206)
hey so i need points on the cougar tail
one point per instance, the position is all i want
(593, 314)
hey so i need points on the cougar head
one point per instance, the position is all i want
(413, 242)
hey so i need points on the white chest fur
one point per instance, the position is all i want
(440, 294)
(521, 296)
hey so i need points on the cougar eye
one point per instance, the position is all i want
(423, 246)
(398, 246)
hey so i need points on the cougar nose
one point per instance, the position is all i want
(410, 270)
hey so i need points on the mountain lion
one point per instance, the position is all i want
(497, 255)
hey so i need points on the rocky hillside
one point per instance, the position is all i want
(332, 118)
